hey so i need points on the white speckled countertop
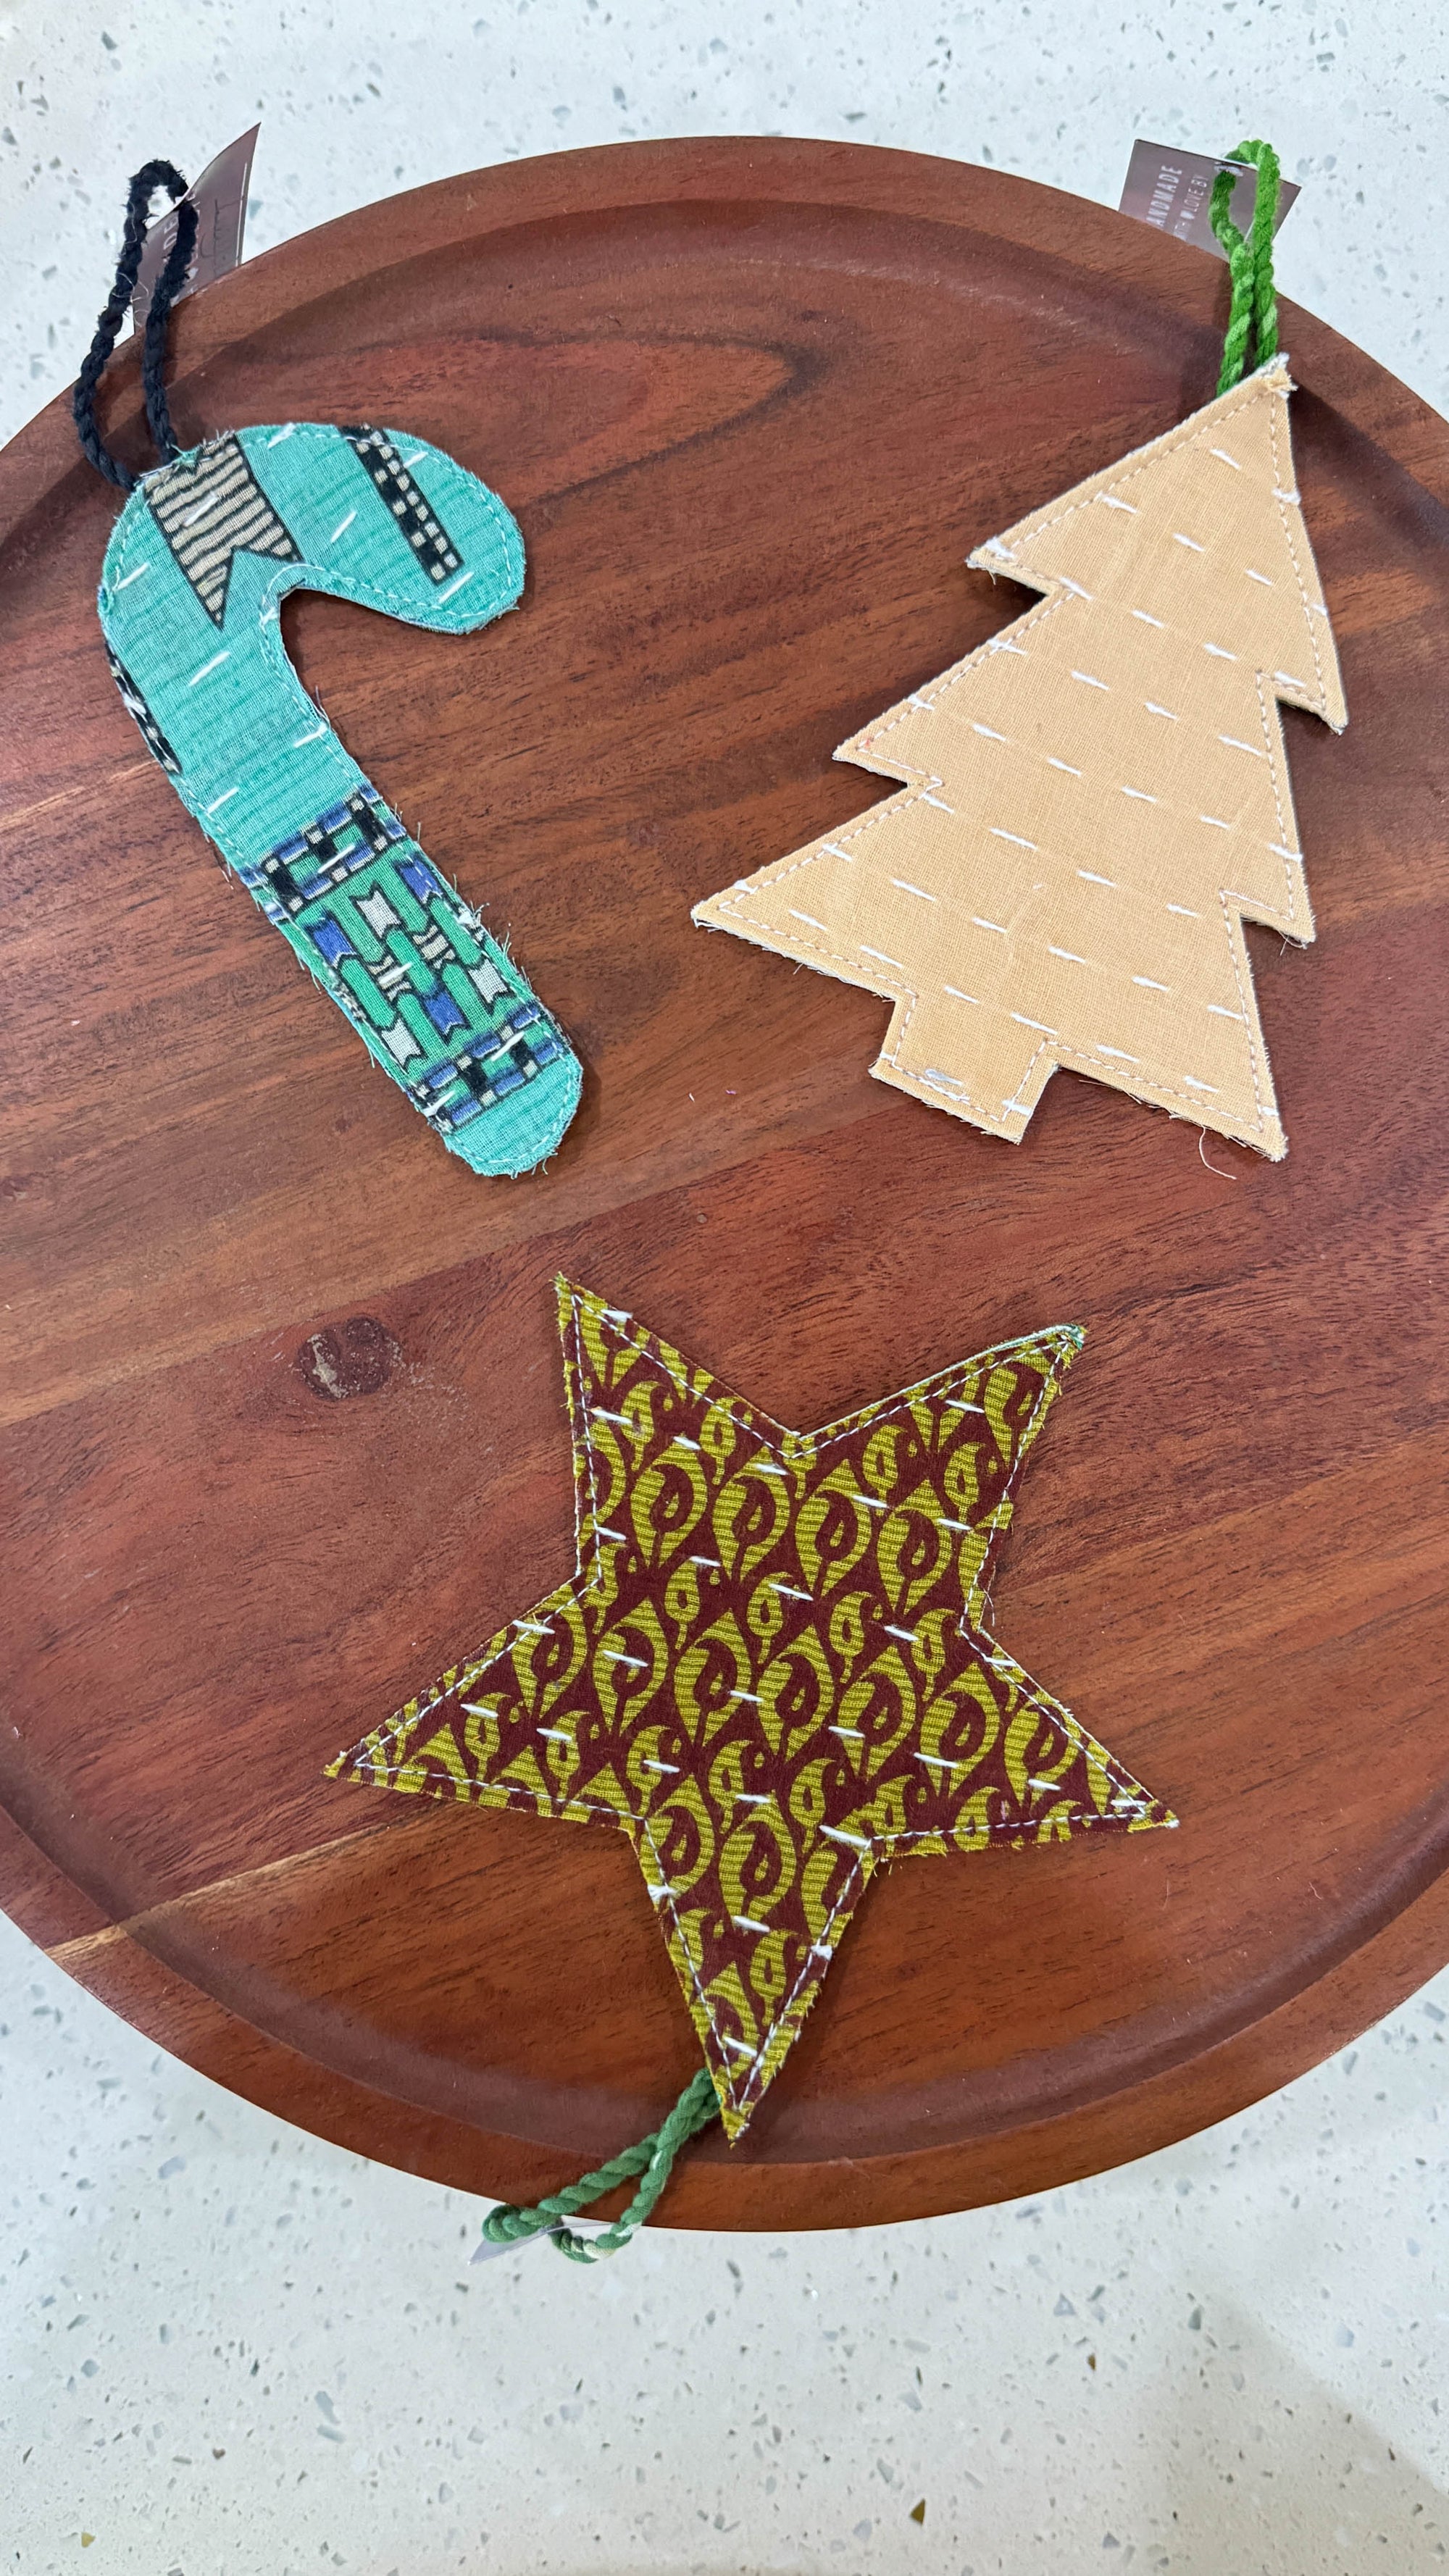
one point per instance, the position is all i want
(227, 2350)
(362, 99)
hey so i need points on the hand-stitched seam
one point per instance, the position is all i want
(991, 1115)
(1273, 741)
(1004, 1832)
(589, 1575)
(852, 1889)
(1272, 381)
(1247, 1002)
(1282, 804)
(1029, 619)
(724, 2065)
(1057, 1713)
(1285, 509)
(1139, 1085)
(884, 1847)
(320, 433)
(569, 1810)
(869, 821)
(1071, 1058)
(380, 596)
(904, 1002)
(596, 1573)
(1046, 1397)
(1199, 425)
(903, 999)
(1056, 1338)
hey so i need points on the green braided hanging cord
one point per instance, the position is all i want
(653, 2157)
(1250, 263)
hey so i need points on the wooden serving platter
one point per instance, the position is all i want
(284, 1416)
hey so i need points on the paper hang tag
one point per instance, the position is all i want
(1172, 191)
(220, 199)
(485, 2252)
(488, 2253)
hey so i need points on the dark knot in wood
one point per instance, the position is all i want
(355, 1358)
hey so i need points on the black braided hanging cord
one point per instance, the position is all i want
(157, 174)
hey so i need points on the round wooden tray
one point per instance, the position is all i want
(286, 1424)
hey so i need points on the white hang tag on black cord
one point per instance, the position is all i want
(1172, 191)
(220, 198)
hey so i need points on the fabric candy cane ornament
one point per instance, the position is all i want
(1097, 799)
(202, 556)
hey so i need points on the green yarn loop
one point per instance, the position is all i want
(1254, 307)
(653, 2157)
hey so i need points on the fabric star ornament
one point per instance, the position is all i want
(772, 1668)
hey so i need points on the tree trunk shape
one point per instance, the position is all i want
(1095, 800)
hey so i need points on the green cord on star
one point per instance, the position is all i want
(1250, 263)
(653, 2157)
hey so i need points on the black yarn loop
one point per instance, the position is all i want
(153, 350)
(156, 174)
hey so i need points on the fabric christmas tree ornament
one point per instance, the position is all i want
(771, 1670)
(202, 556)
(1095, 800)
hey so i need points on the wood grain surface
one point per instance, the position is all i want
(284, 1417)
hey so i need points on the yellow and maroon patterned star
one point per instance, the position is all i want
(771, 1669)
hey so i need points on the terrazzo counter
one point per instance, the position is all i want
(229, 2346)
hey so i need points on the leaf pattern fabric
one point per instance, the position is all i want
(772, 1668)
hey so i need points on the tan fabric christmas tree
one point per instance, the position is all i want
(1095, 800)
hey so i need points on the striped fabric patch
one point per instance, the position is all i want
(136, 707)
(409, 507)
(210, 509)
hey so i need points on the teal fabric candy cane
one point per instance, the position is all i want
(202, 556)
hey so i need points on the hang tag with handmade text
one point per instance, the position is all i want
(1172, 191)
(220, 198)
